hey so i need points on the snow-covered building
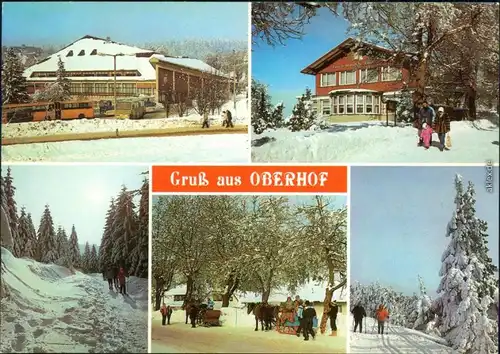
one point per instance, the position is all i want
(355, 84)
(91, 64)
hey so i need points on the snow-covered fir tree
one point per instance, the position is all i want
(303, 116)
(86, 261)
(264, 116)
(32, 250)
(423, 307)
(13, 81)
(47, 241)
(106, 248)
(93, 260)
(464, 297)
(26, 235)
(10, 191)
(141, 251)
(74, 249)
(64, 257)
(58, 90)
(124, 229)
(404, 107)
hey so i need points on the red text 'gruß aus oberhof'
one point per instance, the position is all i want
(249, 178)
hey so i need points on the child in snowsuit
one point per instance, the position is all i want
(300, 317)
(426, 135)
(121, 280)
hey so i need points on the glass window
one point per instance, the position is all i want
(391, 74)
(377, 105)
(70, 53)
(82, 53)
(335, 104)
(128, 89)
(328, 79)
(368, 75)
(326, 108)
(369, 104)
(88, 88)
(360, 104)
(347, 77)
(341, 104)
(350, 104)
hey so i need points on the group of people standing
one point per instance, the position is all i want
(116, 277)
(381, 315)
(227, 119)
(427, 123)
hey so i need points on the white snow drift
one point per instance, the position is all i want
(371, 141)
(47, 309)
(396, 340)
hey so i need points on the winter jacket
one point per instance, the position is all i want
(427, 115)
(358, 312)
(110, 274)
(121, 276)
(163, 310)
(382, 314)
(309, 313)
(210, 304)
(300, 311)
(426, 135)
(334, 310)
(442, 124)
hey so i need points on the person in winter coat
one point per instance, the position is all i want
(121, 279)
(426, 135)
(308, 315)
(300, 316)
(110, 277)
(115, 278)
(382, 315)
(442, 127)
(228, 119)
(425, 115)
(332, 314)
(205, 120)
(166, 313)
(210, 304)
(358, 312)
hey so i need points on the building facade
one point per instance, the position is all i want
(351, 85)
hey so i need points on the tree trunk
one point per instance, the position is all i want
(326, 308)
(159, 290)
(470, 103)
(231, 286)
(265, 294)
(189, 289)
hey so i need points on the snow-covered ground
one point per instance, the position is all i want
(396, 340)
(99, 125)
(228, 148)
(372, 141)
(236, 335)
(47, 309)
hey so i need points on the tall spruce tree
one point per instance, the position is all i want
(13, 81)
(32, 252)
(86, 258)
(10, 191)
(74, 249)
(25, 235)
(303, 117)
(105, 251)
(93, 260)
(142, 250)
(124, 229)
(47, 241)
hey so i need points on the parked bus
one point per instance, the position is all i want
(38, 111)
(130, 109)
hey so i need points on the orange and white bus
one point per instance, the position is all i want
(35, 112)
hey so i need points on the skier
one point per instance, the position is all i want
(382, 315)
(358, 313)
(426, 115)
(332, 314)
(300, 317)
(121, 279)
(426, 135)
(308, 315)
(110, 276)
(442, 127)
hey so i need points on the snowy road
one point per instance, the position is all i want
(398, 340)
(50, 310)
(224, 148)
(181, 338)
(369, 142)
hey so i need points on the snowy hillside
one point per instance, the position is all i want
(48, 309)
(373, 142)
(396, 340)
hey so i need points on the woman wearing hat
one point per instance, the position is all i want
(441, 127)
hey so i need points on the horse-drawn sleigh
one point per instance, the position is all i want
(199, 314)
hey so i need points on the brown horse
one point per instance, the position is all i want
(264, 313)
(192, 312)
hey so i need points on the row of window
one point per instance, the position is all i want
(82, 53)
(104, 88)
(365, 76)
(351, 104)
(99, 73)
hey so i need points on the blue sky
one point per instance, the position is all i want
(280, 67)
(42, 23)
(399, 217)
(78, 195)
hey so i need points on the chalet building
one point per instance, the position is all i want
(357, 84)
(91, 64)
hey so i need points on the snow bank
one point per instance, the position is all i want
(226, 148)
(396, 340)
(48, 309)
(100, 125)
(366, 142)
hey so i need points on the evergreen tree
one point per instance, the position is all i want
(105, 251)
(63, 81)
(32, 250)
(124, 234)
(93, 260)
(58, 90)
(47, 242)
(10, 191)
(64, 257)
(464, 303)
(74, 249)
(303, 117)
(141, 254)
(263, 115)
(13, 81)
(423, 307)
(86, 258)
(25, 235)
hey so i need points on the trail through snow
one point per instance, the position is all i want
(47, 309)
(397, 340)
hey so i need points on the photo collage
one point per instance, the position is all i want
(250, 177)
